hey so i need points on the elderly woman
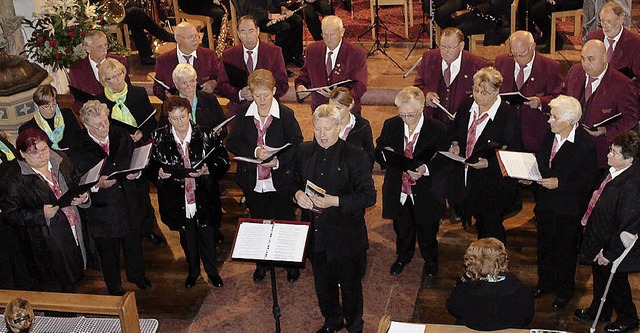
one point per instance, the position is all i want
(116, 214)
(408, 196)
(266, 122)
(60, 125)
(567, 163)
(488, 297)
(52, 235)
(19, 316)
(180, 145)
(354, 129)
(481, 190)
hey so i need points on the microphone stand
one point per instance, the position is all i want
(423, 29)
(377, 45)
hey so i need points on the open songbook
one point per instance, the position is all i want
(260, 240)
(133, 129)
(595, 126)
(184, 172)
(403, 163)
(139, 161)
(87, 181)
(329, 86)
(482, 151)
(275, 151)
(450, 115)
(514, 98)
(172, 91)
(518, 165)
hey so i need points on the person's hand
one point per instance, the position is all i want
(105, 183)
(271, 164)
(303, 200)
(209, 86)
(286, 12)
(454, 148)
(277, 17)
(162, 174)
(430, 98)
(246, 94)
(601, 260)
(419, 172)
(482, 163)
(598, 132)
(525, 182)
(216, 2)
(325, 92)
(133, 176)
(326, 201)
(136, 136)
(50, 210)
(204, 170)
(534, 102)
(262, 154)
(300, 93)
(82, 198)
(550, 183)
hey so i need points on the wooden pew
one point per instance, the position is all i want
(122, 306)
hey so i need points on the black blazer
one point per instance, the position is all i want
(71, 128)
(140, 107)
(353, 184)
(432, 138)
(575, 167)
(242, 142)
(362, 136)
(209, 113)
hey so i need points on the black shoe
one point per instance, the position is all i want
(148, 61)
(298, 61)
(560, 302)
(431, 269)
(156, 239)
(619, 328)
(144, 284)
(290, 73)
(397, 267)
(293, 275)
(585, 316)
(118, 292)
(330, 329)
(538, 292)
(190, 282)
(258, 274)
(216, 281)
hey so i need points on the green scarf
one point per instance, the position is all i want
(7, 152)
(54, 135)
(120, 111)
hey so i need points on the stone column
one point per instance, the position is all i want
(10, 25)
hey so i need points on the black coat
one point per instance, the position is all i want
(432, 138)
(346, 232)
(617, 210)
(209, 113)
(362, 136)
(71, 128)
(171, 190)
(242, 142)
(138, 103)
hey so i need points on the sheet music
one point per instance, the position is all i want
(246, 159)
(149, 117)
(329, 86)
(520, 165)
(215, 129)
(449, 115)
(397, 327)
(273, 150)
(93, 175)
(453, 156)
(287, 242)
(252, 241)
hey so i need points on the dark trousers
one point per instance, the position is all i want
(199, 243)
(138, 21)
(619, 297)
(109, 252)
(288, 36)
(540, 14)
(557, 251)
(312, 13)
(207, 9)
(409, 227)
(341, 276)
(442, 13)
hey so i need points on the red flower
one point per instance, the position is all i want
(71, 34)
(41, 40)
(73, 27)
(58, 55)
(34, 34)
(67, 51)
(83, 34)
(100, 18)
(52, 43)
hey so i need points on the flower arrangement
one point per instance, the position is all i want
(59, 29)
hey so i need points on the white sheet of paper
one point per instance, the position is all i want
(397, 327)
(287, 242)
(252, 241)
(520, 165)
(453, 156)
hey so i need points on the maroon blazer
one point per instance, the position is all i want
(205, 64)
(626, 53)
(545, 82)
(431, 67)
(81, 77)
(612, 96)
(269, 58)
(351, 63)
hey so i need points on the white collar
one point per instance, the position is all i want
(416, 130)
(274, 111)
(351, 124)
(529, 64)
(571, 137)
(492, 110)
(187, 138)
(194, 54)
(106, 141)
(599, 77)
(254, 50)
(336, 50)
(615, 173)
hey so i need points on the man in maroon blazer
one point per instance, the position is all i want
(449, 61)
(236, 60)
(603, 92)
(330, 61)
(536, 77)
(188, 51)
(622, 44)
(83, 74)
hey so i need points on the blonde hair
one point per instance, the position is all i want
(342, 95)
(489, 75)
(486, 259)
(261, 78)
(18, 316)
(182, 72)
(410, 95)
(327, 111)
(108, 66)
(92, 109)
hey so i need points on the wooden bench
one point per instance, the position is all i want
(123, 307)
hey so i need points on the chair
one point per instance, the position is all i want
(576, 14)
(264, 36)
(394, 3)
(118, 31)
(206, 20)
(474, 39)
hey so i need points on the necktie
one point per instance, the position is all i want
(610, 48)
(263, 171)
(189, 183)
(588, 90)
(520, 78)
(447, 75)
(187, 58)
(69, 212)
(249, 62)
(471, 135)
(407, 181)
(105, 147)
(329, 64)
(594, 200)
(554, 150)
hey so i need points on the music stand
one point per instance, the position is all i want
(377, 45)
(423, 28)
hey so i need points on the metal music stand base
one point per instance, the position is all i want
(274, 295)
(377, 26)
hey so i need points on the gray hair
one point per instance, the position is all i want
(327, 111)
(92, 109)
(410, 95)
(569, 108)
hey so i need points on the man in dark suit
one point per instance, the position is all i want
(408, 197)
(84, 73)
(536, 77)
(236, 59)
(339, 241)
(622, 44)
(454, 68)
(331, 61)
(610, 218)
(603, 92)
(540, 15)
(188, 51)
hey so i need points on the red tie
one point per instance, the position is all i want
(554, 150)
(263, 171)
(407, 181)
(588, 91)
(187, 58)
(471, 135)
(447, 75)
(329, 65)
(105, 147)
(594, 200)
(69, 212)
(520, 78)
(249, 62)
(189, 183)
(610, 48)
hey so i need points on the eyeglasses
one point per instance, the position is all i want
(115, 76)
(191, 37)
(50, 106)
(179, 119)
(35, 152)
(521, 54)
(409, 115)
(482, 92)
(614, 153)
(446, 48)
(102, 124)
(191, 82)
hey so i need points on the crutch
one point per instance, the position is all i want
(628, 240)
